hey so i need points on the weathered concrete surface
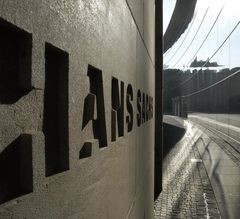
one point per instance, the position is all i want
(115, 181)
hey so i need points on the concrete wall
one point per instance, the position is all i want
(74, 78)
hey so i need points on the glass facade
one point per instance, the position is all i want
(202, 69)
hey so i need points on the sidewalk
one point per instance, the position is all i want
(187, 191)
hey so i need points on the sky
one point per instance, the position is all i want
(213, 22)
(168, 7)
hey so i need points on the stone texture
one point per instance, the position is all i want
(117, 180)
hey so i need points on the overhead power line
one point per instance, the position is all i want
(193, 38)
(183, 39)
(213, 85)
(206, 36)
(208, 59)
(222, 43)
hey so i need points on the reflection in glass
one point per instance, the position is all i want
(202, 70)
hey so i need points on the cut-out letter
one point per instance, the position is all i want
(117, 109)
(55, 117)
(139, 114)
(95, 95)
(129, 118)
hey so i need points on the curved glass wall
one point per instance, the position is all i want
(202, 69)
(202, 83)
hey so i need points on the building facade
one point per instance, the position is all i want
(77, 97)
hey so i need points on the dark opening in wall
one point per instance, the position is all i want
(55, 121)
(15, 62)
(16, 176)
(86, 150)
(171, 135)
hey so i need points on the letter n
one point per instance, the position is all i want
(117, 109)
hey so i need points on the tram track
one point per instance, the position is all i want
(228, 144)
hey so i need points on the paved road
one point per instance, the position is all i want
(221, 157)
(201, 174)
(230, 119)
(187, 191)
(226, 124)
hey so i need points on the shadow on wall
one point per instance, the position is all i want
(15, 63)
(55, 118)
(16, 177)
(171, 135)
